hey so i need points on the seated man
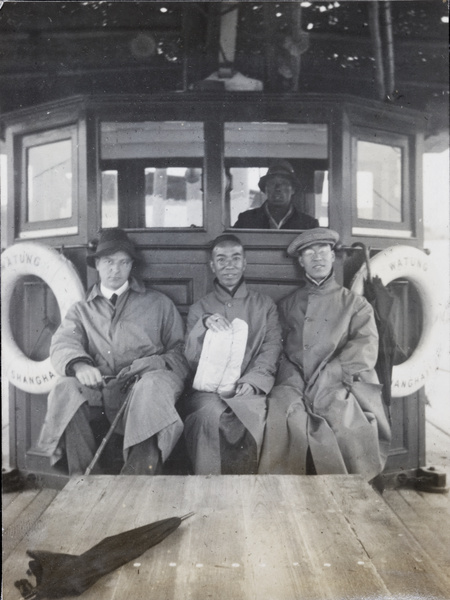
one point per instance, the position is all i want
(325, 413)
(225, 422)
(120, 333)
(278, 212)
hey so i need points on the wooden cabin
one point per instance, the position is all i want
(167, 137)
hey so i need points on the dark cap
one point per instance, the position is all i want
(112, 241)
(319, 235)
(282, 168)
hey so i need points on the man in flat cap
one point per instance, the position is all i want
(233, 345)
(325, 413)
(123, 339)
(278, 211)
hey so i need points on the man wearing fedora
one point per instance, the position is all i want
(122, 341)
(278, 211)
(325, 412)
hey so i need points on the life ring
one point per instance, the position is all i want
(31, 258)
(415, 266)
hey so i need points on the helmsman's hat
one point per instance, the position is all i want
(318, 235)
(111, 241)
(283, 168)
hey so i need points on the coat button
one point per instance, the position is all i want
(229, 305)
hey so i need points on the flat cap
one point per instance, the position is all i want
(319, 235)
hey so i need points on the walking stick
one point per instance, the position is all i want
(110, 431)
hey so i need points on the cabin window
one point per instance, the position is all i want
(152, 174)
(251, 147)
(48, 184)
(381, 205)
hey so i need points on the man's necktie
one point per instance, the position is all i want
(113, 299)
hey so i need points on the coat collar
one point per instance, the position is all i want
(326, 286)
(135, 285)
(224, 295)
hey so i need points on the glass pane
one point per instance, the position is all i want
(321, 197)
(244, 192)
(173, 197)
(49, 181)
(159, 172)
(110, 199)
(151, 139)
(251, 147)
(379, 182)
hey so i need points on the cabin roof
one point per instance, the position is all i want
(52, 50)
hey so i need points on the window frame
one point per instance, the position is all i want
(377, 227)
(48, 227)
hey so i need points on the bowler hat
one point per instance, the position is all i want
(111, 241)
(318, 235)
(282, 168)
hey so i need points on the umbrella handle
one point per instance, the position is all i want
(366, 251)
(110, 431)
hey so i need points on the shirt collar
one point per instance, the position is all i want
(108, 293)
(134, 285)
(273, 223)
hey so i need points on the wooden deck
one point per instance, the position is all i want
(264, 537)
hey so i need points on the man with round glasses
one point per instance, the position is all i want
(325, 413)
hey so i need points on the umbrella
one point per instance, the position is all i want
(384, 305)
(58, 575)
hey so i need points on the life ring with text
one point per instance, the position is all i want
(31, 258)
(409, 263)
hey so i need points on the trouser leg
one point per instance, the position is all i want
(79, 442)
(143, 459)
(238, 449)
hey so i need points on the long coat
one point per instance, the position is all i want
(327, 397)
(143, 324)
(258, 369)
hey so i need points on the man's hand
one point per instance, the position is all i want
(87, 374)
(217, 322)
(244, 389)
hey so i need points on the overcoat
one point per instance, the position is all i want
(258, 369)
(327, 396)
(143, 328)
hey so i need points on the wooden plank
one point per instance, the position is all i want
(395, 553)
(7, 499)
(18, 504)
(21, 516)
(425, 516)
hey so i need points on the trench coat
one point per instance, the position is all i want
(258, 369)
(143, 328)
(327, 396)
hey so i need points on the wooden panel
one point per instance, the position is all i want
(184, 284)
(265, 537)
